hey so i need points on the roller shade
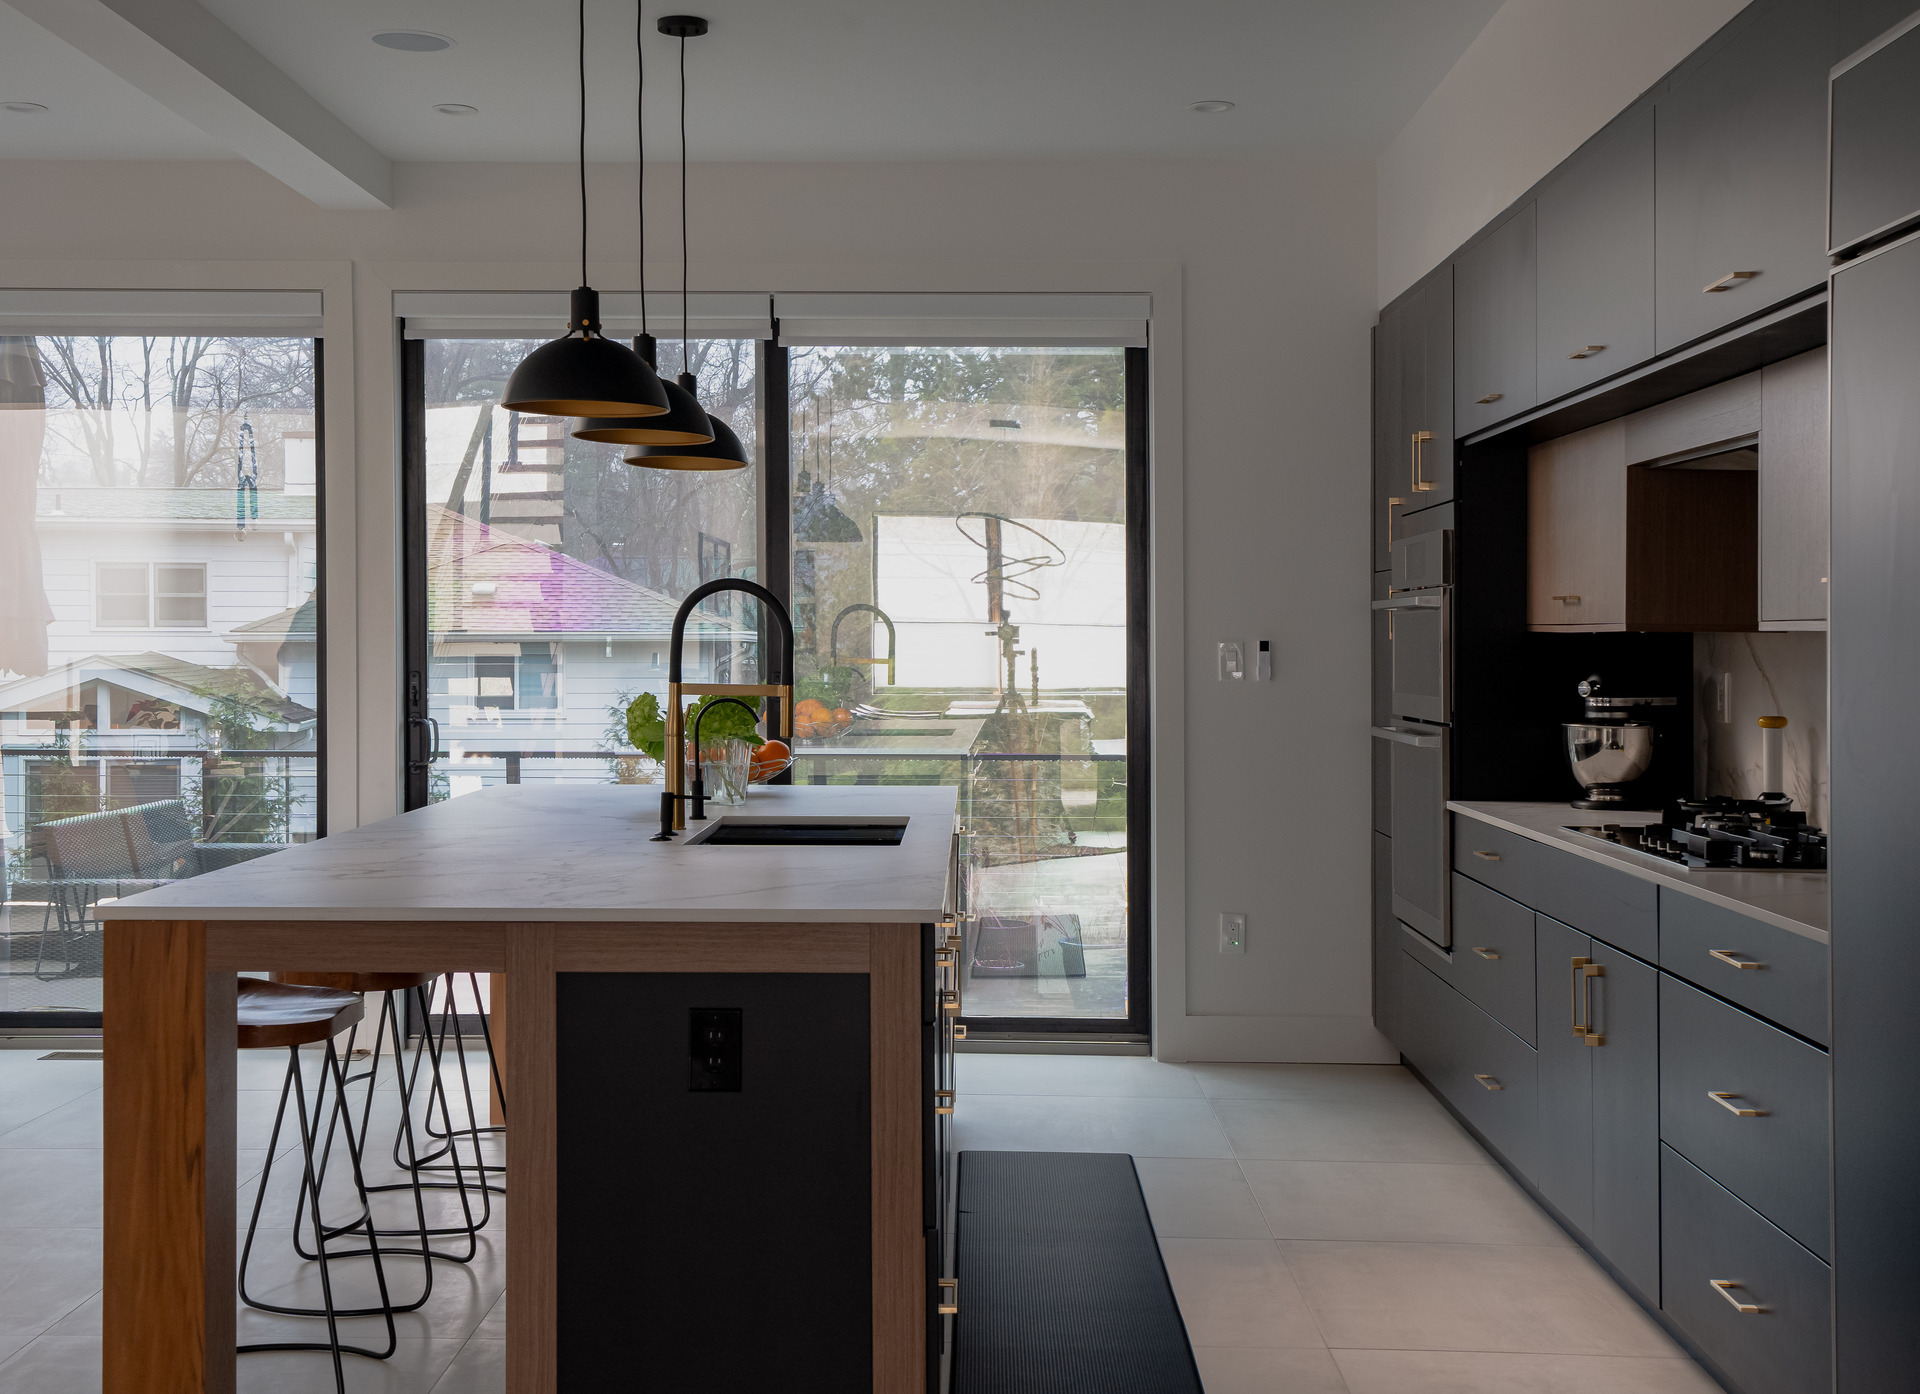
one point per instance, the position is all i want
(237, 313)
(543, 314)
(1064, 320)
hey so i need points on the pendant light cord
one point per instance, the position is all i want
(583, 142)
(686, 359)
(640, 131)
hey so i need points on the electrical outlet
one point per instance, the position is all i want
(1723, 697)
(1233, 663)
(1233, 933)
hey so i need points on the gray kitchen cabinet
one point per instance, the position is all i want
(1795, 493)
(1754, 1301)
(1747, 1104)
(1382, 709)
(1418, 770)
(1770, 971)
(1493, 955)
(1412, 408)
(1740, 170)
(1386, 945)
(1594, 259)
(1389, 493)
(1588, 896)
(1875, 182)
(1476, 1064)
(1493, 283)
(1598, 1153)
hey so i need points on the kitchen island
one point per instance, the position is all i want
(604, 940)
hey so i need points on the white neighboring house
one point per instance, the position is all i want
(158, 602)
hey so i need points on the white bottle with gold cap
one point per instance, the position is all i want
(1772, 766)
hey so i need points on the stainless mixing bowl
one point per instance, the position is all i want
(1606, 756)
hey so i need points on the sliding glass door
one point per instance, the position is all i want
(967, 546)
(160, 635)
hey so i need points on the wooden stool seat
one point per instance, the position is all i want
(359, 982)
(287, 1014)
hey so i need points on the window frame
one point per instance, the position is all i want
(152, 597)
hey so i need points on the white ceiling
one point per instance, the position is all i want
(803, 79)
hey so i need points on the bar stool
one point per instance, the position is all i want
(449, 1023)
(468, 1177)
(284, 1014)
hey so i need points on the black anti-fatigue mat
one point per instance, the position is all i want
(1062, 1290)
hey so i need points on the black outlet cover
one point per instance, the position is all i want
(713, 1050)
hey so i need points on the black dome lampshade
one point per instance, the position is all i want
(585, 373)
(723, 452)
(683, 424)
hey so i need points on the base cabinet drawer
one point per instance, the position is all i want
(1492, 960)
(1773, 972)
(1748, 1104)
(1755, 1301)
(1482, 1069)
(1603, 901)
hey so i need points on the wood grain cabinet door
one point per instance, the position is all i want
(1795, 479)
(1577, 529)
(1740, 170)
(1595, 259)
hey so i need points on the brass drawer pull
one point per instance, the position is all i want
(1391, 505)
(1728, 281)
(1721, 1098)
(946, 1107)
(1566, 599)
(1589, 351)
(959, 1032)
(1488, 856)
(1421, 484)
(1488, 954)
(1488, 399)
(1727, 956)
(1489, 1082)
(951, 1308)
(1723, 1286)
(950, 1001)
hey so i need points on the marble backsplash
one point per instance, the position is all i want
(1771, 675)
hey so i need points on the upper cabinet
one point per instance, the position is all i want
(1413, 428)
(1595, 260)
(1876, 142)
(1493, 375)
(1795, 478)
(1740, 171)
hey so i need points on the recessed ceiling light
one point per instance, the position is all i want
(24, 108)
(455, 108)
(413, 40)
(1210, 107)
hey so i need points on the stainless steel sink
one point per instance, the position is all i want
(732, 830)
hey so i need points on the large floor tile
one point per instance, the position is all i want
(1199, 1198)
(1413, 1202)
(1103, 1076)
(1350, 1082)
(75, 1123)
(1232, 1370)
(415, 1367)
(1144, 1127)
(1482, 1297)
(1484, 1372)
(64, 1359)
(1237, 1292)
(45, 1274)
(23, 1106)
(1327, 1130)
(480, 1368)
(49, 1186)
(462, 1294)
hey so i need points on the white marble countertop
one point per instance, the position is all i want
(1793, 900)
(581, 852)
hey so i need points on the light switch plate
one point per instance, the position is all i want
(1233, 933)
(1233, 661)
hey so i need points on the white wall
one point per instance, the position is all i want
(1273, 265)
(1542, 77)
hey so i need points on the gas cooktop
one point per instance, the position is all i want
(1722, 834)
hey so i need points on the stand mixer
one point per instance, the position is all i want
(1609, 750)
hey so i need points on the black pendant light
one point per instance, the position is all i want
(724, 451)
(587, 375)
(684, 422)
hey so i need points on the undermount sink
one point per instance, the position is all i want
(740, 830)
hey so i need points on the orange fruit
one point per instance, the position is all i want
(767, 761)
(841, 716)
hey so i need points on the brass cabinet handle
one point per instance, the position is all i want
(950, 1001)
(1722, 1286)
(1727, 956)
(1488, 953)
(1723, 1098)
(952, 1285)
(1391, 505)
(1567, 599)
(1489, 1082)
(1728, 281)
(1488, 856)
(1593, 1036)
(1589, 351)
(1585, 969)
(959, 1032)
(1420, 481)
(946, 1107)
(1490, 397)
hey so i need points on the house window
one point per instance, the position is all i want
(158, 595)
(501, 680)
